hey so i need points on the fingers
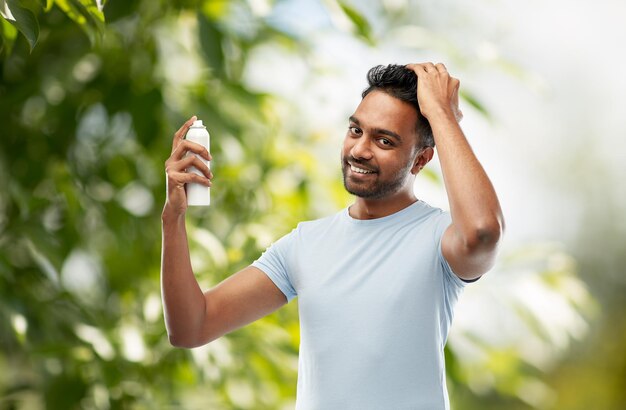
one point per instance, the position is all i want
(436, 89)
(176, 166)
(453, 86)
(190, 177)
(194, 161)
(179, 179)
(185, 145)
(180, 134)
(427, 67)
(440, 67)
(172, 165)
(416, 68)
(178, 176)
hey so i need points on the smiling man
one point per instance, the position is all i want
(376, 282)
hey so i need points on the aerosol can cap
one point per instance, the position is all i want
(197, 124)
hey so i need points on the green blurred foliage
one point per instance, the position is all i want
(86, 128)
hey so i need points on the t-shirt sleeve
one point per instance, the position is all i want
(452, 285)
(275, 264)
(443, 222)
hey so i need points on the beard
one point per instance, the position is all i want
(375, 187)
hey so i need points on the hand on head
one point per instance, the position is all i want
(437, 91)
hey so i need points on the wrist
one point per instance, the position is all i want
(172, 215)
(439, 114)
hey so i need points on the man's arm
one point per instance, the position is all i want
(193, 317)
(470, 243)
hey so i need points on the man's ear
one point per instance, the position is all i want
(423, 157)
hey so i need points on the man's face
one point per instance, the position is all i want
(379, 150)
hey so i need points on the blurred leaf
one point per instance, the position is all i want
(361, 24)
(65, 391)
(9, 33)
(211, 44)
(431, 175)
(86, 14)
(46, 5)
(215, 9)
(474, 102)
(23, 19)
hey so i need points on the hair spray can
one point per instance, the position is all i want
(198, 194)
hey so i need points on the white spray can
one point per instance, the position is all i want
(198, 194)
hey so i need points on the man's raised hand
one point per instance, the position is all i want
(176, 169)
(437, 91)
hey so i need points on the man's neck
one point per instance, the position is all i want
(366, 208)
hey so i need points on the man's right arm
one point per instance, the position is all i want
(194, 317)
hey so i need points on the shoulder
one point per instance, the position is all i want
(318, 225)
(427, 222)
(424, 213)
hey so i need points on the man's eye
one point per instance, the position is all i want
(385, 142)
(354, 130)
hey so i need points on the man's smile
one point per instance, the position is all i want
(360, 169)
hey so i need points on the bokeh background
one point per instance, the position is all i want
(91, 93)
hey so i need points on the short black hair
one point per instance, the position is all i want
(401, 83)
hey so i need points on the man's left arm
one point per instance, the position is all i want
(470, 243)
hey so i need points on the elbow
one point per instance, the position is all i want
(180, 342)
(183, 342)
(188, 342)
(486, 234)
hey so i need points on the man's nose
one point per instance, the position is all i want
(362, 148)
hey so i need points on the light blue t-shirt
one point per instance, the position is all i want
(375, 300)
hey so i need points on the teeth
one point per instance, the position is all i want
(360, 170)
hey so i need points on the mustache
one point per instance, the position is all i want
(358, 162)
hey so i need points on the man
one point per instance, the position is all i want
(376, 282)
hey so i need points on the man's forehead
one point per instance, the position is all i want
(380, 110)
(382, 102)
